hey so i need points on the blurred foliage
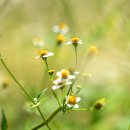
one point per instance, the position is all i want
(104, 23)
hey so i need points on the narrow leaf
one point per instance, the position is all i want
(56, 97)
(41, 93)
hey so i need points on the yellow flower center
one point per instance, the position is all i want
(75, 39)
(65, 73)
(43, 52)
(60, 38)
(62, 25)
(72, 100)
(93, 50)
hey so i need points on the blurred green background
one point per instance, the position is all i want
(103, 23)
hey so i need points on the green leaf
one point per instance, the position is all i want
(56, 97)
(4, 124)
(38, 103)
(41, 93)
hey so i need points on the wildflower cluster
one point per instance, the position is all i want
(62, 81)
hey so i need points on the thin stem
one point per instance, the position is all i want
(48, 120)
(76, 57)
(70, 88)
(81, 109)
(46, 64)
(2, 61)
(43, 117)
(30, 98)
(50, 76)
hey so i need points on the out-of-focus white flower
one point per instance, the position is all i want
(75, 41)
(38, 42)
(72, 101)
(44, 53)
(65, 74)
(61, 28)
(60, 83)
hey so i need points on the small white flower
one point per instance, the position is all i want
(61, 28)
(60, 83)
(65, 74)
(72, 101)
(75, 41)
(44, 54)
(38, 42)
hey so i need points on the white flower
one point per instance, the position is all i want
(60, 83)
(75, 41)
(61, 28)
(38, 42)
(65, 74)
(72, 101)
(44, 54)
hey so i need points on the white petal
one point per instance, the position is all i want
(60, 86)
(58, 74)
(76, 106)
(76, 73)
(78, 99)
(50, 54)
(71, 76)
(54, 87)
(80, 42)
(69, 105)
(68, 83)
(45, 56)
(69, 43)
(55, 82)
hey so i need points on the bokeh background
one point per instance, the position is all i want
(103, 23)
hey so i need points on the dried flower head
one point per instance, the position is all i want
(51, 72)
(44, 53)
(72, 101)
(99, 104)
(75, 41)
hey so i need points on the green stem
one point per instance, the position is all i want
(48, 120)
(81, 109)
(43, 117)
(2, 61)
(50, 76)
(30, 98)
(46, 64)
(76, 57)
(70, 88)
